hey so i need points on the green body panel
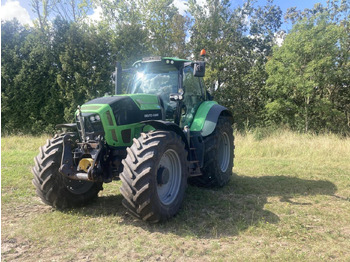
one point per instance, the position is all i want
(145, 101)
(109, 124)
(113, 132)
(201, 115)
(95, 108)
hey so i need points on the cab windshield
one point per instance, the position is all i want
(160, 80)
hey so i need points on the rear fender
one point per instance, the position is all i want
(207, 117)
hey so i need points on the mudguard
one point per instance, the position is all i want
(207, 117)
(68, 125)
(167, 126)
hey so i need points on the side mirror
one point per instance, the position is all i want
(199, 69)
(176, 97)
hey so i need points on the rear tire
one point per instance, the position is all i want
(52, 187)
(218, 156)
(155, 174)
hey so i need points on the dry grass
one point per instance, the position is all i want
(289, 199)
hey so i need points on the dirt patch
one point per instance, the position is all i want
(11, 214)
(14, 249)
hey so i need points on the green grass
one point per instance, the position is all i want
(288, 200)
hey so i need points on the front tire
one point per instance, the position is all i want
(218, 156)
(52, 187)
(155, 174)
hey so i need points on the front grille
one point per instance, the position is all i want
(92, 129)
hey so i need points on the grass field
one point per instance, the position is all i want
(288, 200)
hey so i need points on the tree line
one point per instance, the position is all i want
(65, 59)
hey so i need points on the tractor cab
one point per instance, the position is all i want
(177, 82)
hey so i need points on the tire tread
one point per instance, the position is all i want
(137, 184)
(50, 185)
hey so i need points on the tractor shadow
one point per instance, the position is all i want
(212, 213)
(241, 204)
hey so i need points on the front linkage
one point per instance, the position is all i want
(73, 163)
(89, 160)
(88, 156)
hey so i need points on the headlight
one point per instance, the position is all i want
(94, 118)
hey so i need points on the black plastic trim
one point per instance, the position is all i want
(212, 119)
(67, 125)
(168, 126)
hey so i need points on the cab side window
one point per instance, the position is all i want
(193, 96)
(191, 83)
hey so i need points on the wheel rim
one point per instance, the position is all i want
(224, 152)
(168, 177)
(79, 186)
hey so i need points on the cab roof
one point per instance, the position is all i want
(172, 60)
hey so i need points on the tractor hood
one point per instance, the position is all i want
(119, 116)
(129, 109)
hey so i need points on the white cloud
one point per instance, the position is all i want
(96, 15)
(13, 9)
(279, 37)
(201, 2)
(181, 5)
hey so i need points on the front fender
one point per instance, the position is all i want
(167, 126)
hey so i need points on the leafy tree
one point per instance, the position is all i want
(71, 10)
(41, 108)
(237, 53)
(117, 13)
(265, 21)
(86, 66)
(68, 10)
(29, 92)
(44, 79)
(162, 29)
(13, 37)
(210, 29)
(308, 82)
(130, 44)
(157, 16)
(41, 9)
(179, 28)
(49, 69)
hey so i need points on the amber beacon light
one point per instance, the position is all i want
(203, 53)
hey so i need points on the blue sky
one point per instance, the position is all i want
(22, 11)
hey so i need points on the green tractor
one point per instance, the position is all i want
(163, 133)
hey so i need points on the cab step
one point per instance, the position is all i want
(193, 174)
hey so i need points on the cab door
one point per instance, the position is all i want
(194, 95)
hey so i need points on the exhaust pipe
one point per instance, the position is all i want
(118, 78)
